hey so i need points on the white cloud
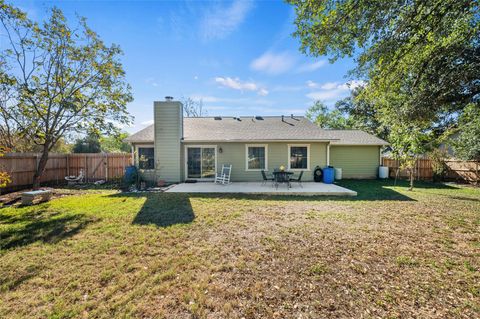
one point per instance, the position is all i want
(312, 84)
(274, 63)
(263, 92)
(195, 77)
(149, 122)
(331, 91)
(237, 84)
(219, 21)
(332, 86)
(310, 67)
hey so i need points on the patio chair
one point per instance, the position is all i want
(298, 179)
(224, 176)
(265, 178)
(72, 180)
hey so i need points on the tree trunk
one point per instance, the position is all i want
(40, 167)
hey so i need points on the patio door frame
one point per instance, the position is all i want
(186, 161)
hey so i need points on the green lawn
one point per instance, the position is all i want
(386, 253)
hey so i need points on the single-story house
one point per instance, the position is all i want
(177, 148)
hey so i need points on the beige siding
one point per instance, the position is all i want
(235, 154)
(168, 134)
(356, 161)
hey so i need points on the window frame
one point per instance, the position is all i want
(247, 146)
(139, 155)
(289, 157)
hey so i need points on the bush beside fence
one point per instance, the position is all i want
(99, 166)
(459, 171)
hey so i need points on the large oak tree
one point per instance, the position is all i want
(420, 60)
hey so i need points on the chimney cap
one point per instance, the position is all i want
(169, 98)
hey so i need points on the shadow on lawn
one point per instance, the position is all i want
(38, 225)
(162, 210)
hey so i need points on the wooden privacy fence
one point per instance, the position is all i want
(460, 171)
(99, 166)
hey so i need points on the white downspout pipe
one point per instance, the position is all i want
(380, 156)
(133, 155)
(328, 154)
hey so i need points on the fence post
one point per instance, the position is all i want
(36, 165)
(106, 167)
(476, 173)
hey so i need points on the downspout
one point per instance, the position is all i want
(380, 156)
(133, 155)
(328, 154)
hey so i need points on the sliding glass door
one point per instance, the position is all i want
(201, 162)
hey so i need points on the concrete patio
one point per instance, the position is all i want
(308, 189)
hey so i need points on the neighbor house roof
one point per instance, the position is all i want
(267, 128)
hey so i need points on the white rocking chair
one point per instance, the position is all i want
(72, 180)
(224, 176)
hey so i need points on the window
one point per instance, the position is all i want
(299, 157)
(146, 158)
(256, 157)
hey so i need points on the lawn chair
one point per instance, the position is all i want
(72, 180)
(298, 179)
(265, 178)
(224, 176)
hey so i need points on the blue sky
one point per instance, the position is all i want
(238, 56)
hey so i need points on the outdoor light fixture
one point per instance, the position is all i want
(220, 150)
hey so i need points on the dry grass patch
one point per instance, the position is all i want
(387, 253)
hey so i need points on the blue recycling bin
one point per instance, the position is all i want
(328, 175)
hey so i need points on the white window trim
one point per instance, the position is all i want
(246, 158)
(308, 157)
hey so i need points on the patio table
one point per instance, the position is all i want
(282, 177)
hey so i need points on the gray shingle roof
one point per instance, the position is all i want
(251, 129)
(268, 128)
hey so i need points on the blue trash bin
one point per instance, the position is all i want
(130, 176)
(328, 175)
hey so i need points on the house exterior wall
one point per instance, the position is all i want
(235, 153)
(356, 161)
(168, 119)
